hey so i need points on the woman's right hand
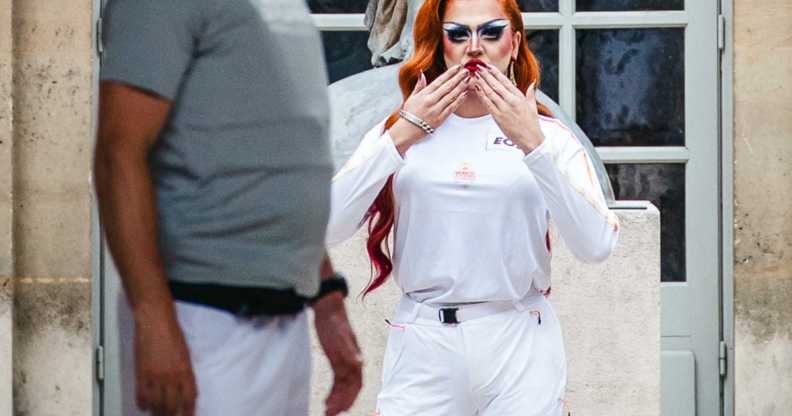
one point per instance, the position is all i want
(433, 103)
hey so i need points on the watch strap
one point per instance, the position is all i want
(334, 283)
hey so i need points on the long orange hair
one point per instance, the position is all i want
(428, 58)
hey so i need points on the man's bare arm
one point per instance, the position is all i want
(340, 345)
(129, 123)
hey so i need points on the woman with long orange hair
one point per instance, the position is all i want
(466, 175)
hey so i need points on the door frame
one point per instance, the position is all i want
(727, 204)
(97, 248)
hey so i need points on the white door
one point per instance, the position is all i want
(640, 77)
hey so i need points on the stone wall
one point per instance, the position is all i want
(763, 207)
(6, 210)
(52, 138)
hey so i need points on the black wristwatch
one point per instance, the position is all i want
(334, 283)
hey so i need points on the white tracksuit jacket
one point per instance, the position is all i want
(472, 209)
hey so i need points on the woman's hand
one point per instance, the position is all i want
(515, 111)
(433, 103)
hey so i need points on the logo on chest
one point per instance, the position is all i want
(464, 173)
(501, 143)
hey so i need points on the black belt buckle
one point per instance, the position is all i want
(448, 315)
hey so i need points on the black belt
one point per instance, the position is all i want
(240, 301)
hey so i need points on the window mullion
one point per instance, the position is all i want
(624, 20)
(643, 154)
(339, 22)
(566, 70)
(543, 21)
(566, 7)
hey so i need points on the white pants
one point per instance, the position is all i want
(503, 364)
(251, 367)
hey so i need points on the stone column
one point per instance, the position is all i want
(762, 210)
(6, 209)
(53, 88)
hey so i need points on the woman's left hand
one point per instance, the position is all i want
(515, 111)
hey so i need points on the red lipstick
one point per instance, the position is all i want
(473, 65)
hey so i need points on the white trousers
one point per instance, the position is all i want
(502, 364)
(251, 367)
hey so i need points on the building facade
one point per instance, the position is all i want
(707, 139)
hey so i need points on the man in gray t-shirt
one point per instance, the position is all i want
(213, 172)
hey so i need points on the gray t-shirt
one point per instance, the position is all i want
(242, 167)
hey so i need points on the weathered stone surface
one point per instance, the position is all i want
(52, 239)
(6, 211)
(6, 348)
(762, 210)
(52, 138)
(52, 148)
(6, 140)
(610, 314)
(52, 349)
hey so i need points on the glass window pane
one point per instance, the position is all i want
(628, 5)
(664, 185)
(544, 45)
(346, 53)
(359, 6)
(631, 87)
(337, 6)
(538, 5)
